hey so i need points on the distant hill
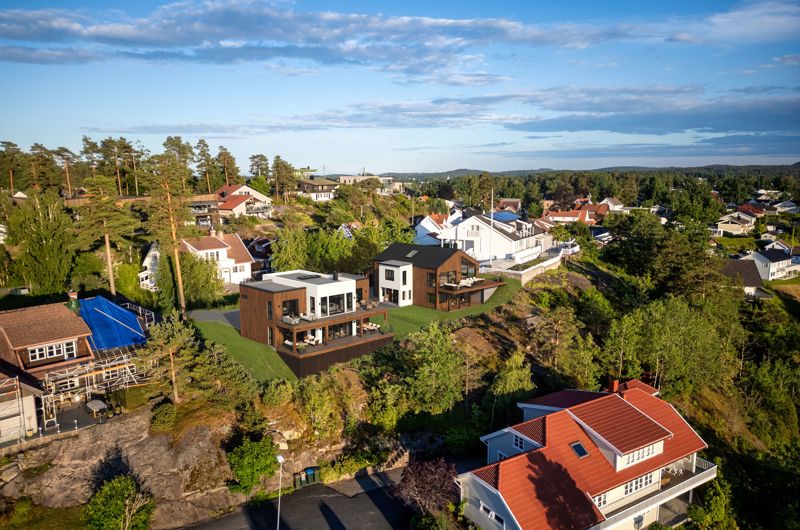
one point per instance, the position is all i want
(523, 172)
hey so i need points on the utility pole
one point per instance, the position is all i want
(66, 173)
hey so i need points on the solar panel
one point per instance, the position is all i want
(579, 449)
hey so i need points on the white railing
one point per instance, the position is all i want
(705, 471)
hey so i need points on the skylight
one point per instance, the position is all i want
(412, 254)
(579, 449)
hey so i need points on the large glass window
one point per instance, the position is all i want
(467, 269)
(269, 310)
(404, 277)
(389, 275)
(336, 304)
(313, 306)
(323, 306)
(349, 301)
(67, 350)
(291, 307)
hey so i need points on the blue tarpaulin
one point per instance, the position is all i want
(111, 325)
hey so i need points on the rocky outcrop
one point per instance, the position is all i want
(187, 477)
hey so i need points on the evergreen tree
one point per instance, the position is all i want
(208, 172)
(43, 230)
(172, 340)
(104, 217)
(290, 250)
(227, 162)
(259, 165)
(168, 211)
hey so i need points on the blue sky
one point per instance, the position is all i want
(413, 86)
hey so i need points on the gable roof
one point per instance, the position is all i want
(233, 201)
(743, 270)
(204, 243)
(427, 257)
(775, 255)
(622, 425)
(237, 250)
(552, 487)
(635, 383)
(226, 191)
(43, 324)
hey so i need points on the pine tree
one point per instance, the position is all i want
(104, 217)
(169, 211)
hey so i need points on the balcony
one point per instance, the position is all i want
(468, 285)
(677, 486)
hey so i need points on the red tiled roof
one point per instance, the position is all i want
(439, 218)
(532, 429)
(236, 249)
(552, 488)
(635, 383)
(225, 191)
(619, 423)
(566, 398)
(233, 201)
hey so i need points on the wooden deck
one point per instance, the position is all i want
(315, 359)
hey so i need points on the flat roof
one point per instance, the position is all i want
(270, 286)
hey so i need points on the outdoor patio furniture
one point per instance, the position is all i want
(96, 407)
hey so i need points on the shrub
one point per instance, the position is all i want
(251, 461)
(277, 392)
(349, 464)
(119, 504)
(163, 418)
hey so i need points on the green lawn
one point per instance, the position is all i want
(790, 281)
(738, 244)
(406, 320)
(260, 360)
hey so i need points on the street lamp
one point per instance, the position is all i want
(280, 460)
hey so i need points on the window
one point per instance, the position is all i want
(431, 298)
(442, 298)
(69, 384)
(519, 443)
(67, 350)
(579, 450)
(269, 310)
(404, 295)
(404, 277)
(601, 500)
(389, 275)
(501, 455)
(638, 483)
(312, 306)
(491, 515)
(641, 454)
(431, 281)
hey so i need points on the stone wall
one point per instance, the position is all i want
(529, 273)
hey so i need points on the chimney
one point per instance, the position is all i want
(73, 303)
(212, 232)
(335, 276)
(613, 385)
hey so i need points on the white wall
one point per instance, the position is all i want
(474, 492)
(405, 294)
(10, 422)
(505, 444)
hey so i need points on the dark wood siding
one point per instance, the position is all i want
(306, 365)
(253, 316)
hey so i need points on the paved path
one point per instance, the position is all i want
(230, 317)
(318, 508)
(366, 483)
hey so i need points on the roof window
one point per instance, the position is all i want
(412, 254)
(579, 450)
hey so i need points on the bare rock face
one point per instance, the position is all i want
(187, 480)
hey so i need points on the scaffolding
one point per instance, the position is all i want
(110, 370)
(10, 391)
(146, 317)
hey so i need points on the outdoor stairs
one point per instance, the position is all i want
(397, 458)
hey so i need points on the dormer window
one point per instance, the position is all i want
(579, 450)
(601, 500)
(641, 454)
(519, 443)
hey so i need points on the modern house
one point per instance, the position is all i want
(774, 264)
(318, 189)
(493, 238)
(588, 460)
(233, 260)
(312, 320)
(736, 223)
(428, 276)
(239, 199)
(744, 271)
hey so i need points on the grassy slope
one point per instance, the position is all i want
(29, 516)
(406, 320)
(260, 360)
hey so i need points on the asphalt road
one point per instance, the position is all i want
(317, 508)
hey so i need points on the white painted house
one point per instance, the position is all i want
(147, 278)
(774, 264)
(486, 240)
(238, 199)
(588, 460)
(736, 223)
(227, 251)
(396, 281)
(614, 204)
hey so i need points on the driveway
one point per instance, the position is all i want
(230, 317)
(317, 508)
